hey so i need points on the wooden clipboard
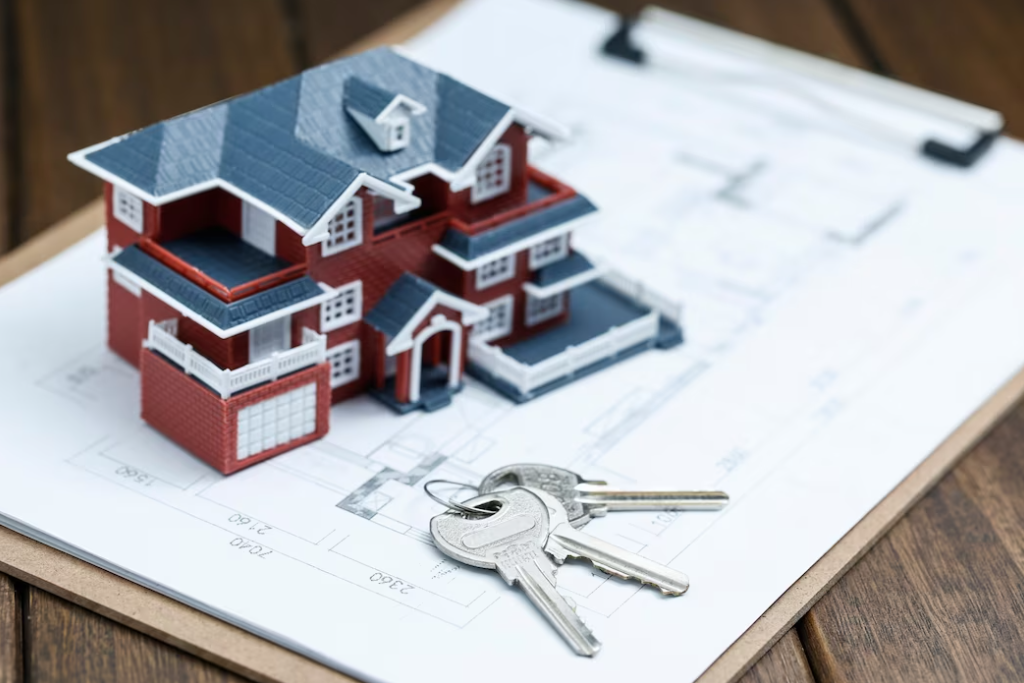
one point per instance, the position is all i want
(246, 654)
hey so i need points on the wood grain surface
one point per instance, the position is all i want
(10, 632)
(7, 88)
(940, 598)
(809, 25)
(87, 70)
(970, 49)
(786, 661)
(66, 644)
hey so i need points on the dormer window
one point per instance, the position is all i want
(400, 133)
(383, 116)
(493, 175)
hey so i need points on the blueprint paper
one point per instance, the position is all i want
(847, 306)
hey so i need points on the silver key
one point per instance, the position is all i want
(583, 500)
(566, 541)
(511, 541)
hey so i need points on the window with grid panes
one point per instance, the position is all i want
(344, 309)
(498, 323)
(498, 270)
(539, 309)
(345, 230)
(493, 175)
(549, 251)
(128, 209)
(344, 360)
(276, 421)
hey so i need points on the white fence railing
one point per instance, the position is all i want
(227, 382)
(527, 378)
(636, 290)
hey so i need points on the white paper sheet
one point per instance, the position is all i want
(847, 306)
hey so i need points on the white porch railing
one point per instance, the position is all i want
(527, 378)
(636, 290)
(162, 337)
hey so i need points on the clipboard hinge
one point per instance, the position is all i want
(964, 158)
(620, 44)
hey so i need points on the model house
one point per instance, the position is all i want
(368, 225)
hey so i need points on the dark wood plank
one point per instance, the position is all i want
(10, 632)
(968, 49)
(810, 25)
(66, 643)
(91, 69)
(784, 663)
(6, 130)
(941, 597)
(326, 27)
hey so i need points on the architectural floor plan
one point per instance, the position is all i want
(835, 293)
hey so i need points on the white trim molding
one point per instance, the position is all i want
(515, 247)
(471, 314)
(565, 285)
(403, 197)
(438, 324)
(119, 270)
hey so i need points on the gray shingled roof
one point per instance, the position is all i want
(193, 297)
(291, 144)
(400, 303)
(470, 247)
(366, 98)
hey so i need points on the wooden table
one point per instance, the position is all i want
(941, 597)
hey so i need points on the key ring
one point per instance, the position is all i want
(450, 503)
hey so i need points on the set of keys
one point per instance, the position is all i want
(526, 531)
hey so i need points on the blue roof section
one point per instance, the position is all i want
(221, 313)
(470, 247)
(572, 265)
(464, 118)
(366, 98)
(400, 303)
(292, 146)
(224, 257)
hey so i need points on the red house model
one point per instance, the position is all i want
(368, 225)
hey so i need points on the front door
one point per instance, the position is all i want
(269, 338)
(259, 228)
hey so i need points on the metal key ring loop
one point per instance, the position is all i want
(450, 503)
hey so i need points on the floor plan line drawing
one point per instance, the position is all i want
(831, 294)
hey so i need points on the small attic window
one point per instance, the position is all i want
(383, 115)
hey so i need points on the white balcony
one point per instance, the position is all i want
(162, 337)
(608, 320)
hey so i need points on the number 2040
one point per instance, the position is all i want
(254, 549)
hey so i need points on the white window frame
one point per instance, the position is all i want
(497, 163)
(269, 338)
(484, 330)
(349, 296)
(501, 269)
(549, 251)
(345, 225)
(129, 209)
(537, 310)
(348, 347)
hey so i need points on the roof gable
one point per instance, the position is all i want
(407, 303)
(291, 146)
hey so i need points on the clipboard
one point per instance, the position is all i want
(249, 655)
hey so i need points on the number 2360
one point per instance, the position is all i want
(392, 583)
